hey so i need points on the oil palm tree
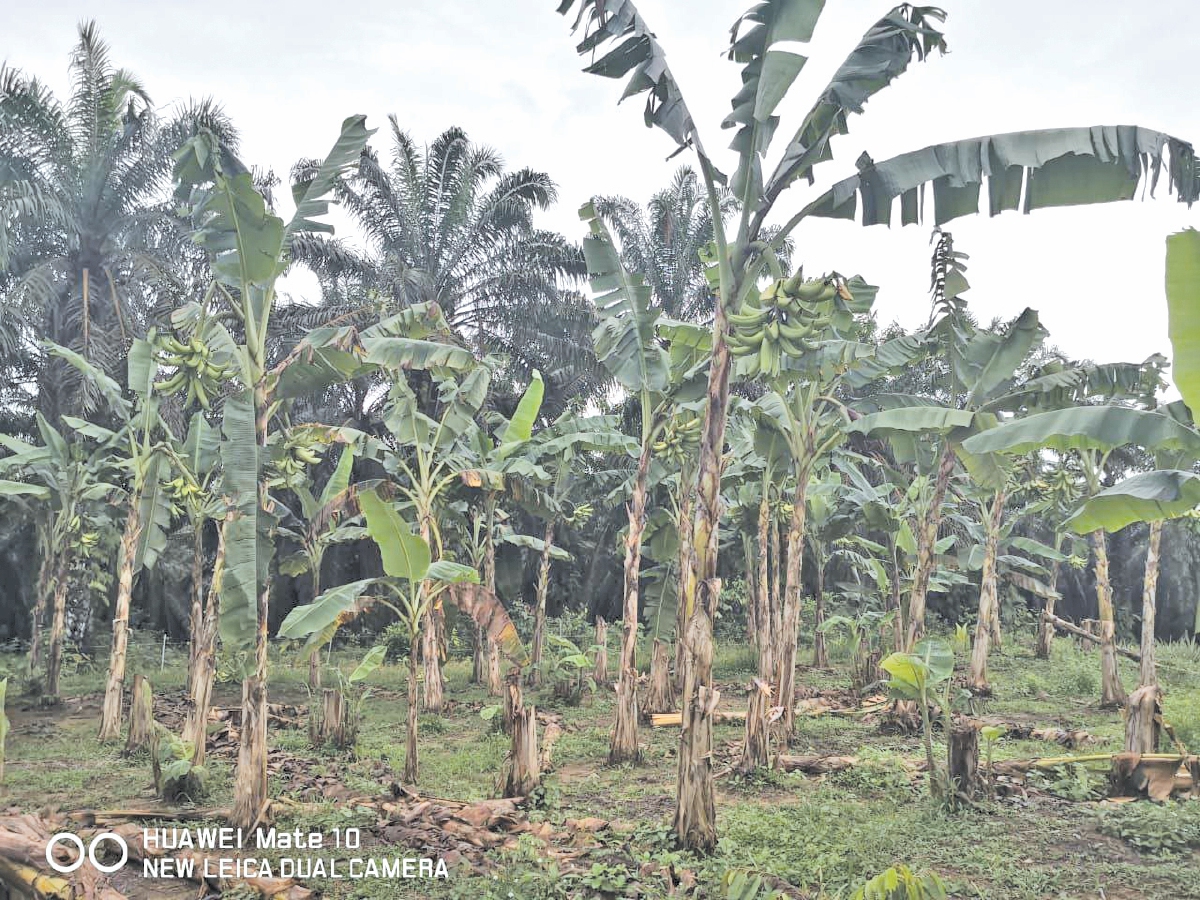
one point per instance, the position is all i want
(449, 224)
(663, 241)
(86, 235)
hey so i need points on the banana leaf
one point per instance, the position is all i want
(1145, 497)
(1053, 167)
(1101, 428)
(1183, 312)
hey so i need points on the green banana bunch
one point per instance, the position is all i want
(194, 368)
(680, 440)
(793, 314)
(299, 452)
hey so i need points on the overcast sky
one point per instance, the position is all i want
(506, 71)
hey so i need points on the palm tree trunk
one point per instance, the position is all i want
(624, 745)
(765, 639)
(204, 652)
(1112, 692)
(410, 721)
(58, 627)
(1149, 676)
(785, 647)
(926, 541)
(695, 821)
(110, 716)
(495, 684)
(987, 598)
(539, 616)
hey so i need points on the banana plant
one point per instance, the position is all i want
(425, 464)
(1000, 556)
(487, 464)
(412, 583)
(629, 346)
(323, 522)
(140, 442)
(248, 247)
(196, 464)
(1091, 434)
(66, 478)
(1073, 166)
(916, 676)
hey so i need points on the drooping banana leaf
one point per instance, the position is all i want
(23, 489)
(1100, 428)
(1183, 310)
(486, 610)
(1053, 167)
(1145, 497)
(319, 621)
(1060, 386)
(108, 388)
(529, 542)
(923, 419)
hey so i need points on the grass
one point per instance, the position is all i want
(824, 835)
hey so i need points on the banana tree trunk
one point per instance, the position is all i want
(110, 715)
(196, 613)
(410, 721)
(1149, 675)
(695, 821)
(765, 639)
(432, 696)
(684, 525)
(751, 574)
(495, 683)
(539, 616)
(926, 545)
(987, 598)
(775, 596)
(250, 779)
(58, 627)
(42, 592)
(898, 623)
(203, 654)
(1046, 627)
(785, 646)
(624, 745)
(1112, 692)
(314, 659)
(820, 651)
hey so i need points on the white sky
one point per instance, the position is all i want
(508, 74)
